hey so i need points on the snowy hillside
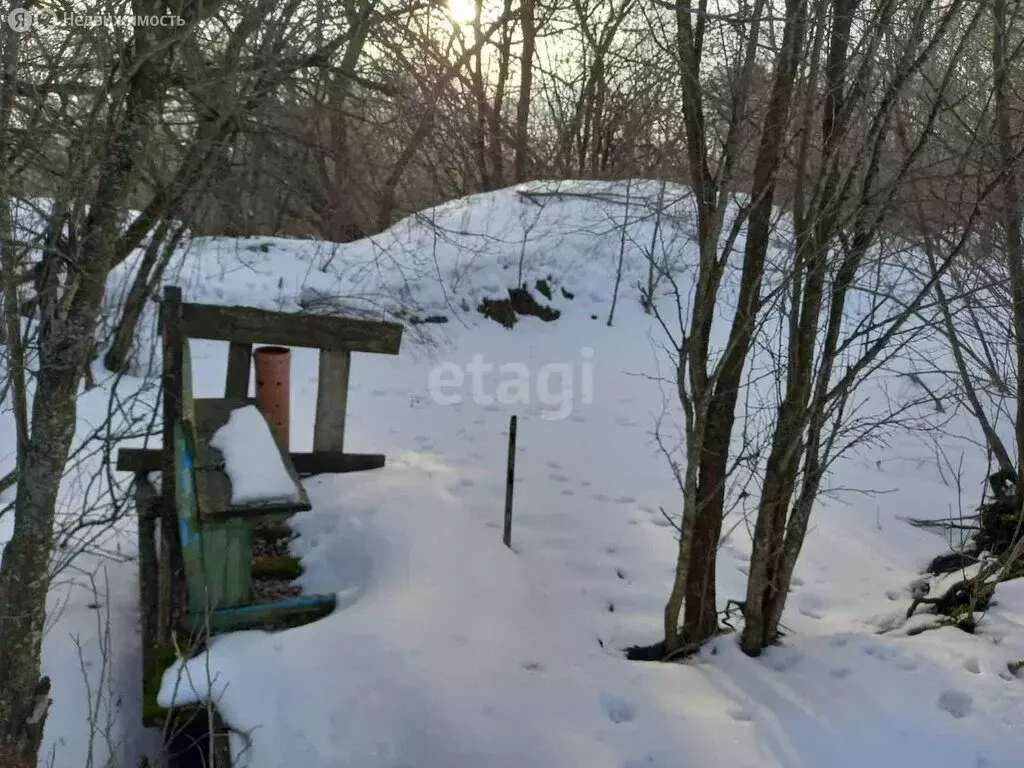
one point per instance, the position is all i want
(449, 651)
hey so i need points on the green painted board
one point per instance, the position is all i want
(217, 556)
(185, 500)
(292, 612)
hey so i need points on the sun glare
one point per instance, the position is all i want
(462, 11)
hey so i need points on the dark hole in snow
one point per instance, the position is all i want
(188, 743)
(654, 652)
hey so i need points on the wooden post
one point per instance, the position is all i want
(509, 480)
(331, 401)
(239, 363)
(147, 506)
(170, 577)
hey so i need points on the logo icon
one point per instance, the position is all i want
(20, 20)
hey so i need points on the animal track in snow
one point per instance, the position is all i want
(956, 703)
(625, 499)
(601, 497)
(972, 665)
(558, 478)
(840, 672)
(618, 709)
(568, 492)
(552, 465)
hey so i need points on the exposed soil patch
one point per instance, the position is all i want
(520, 301)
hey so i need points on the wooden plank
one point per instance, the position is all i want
(147, 506)
(319, 462)
(189, 534)
(188, 409)
(227, 557)
(248, 325)
(171, 579)
(331, 401)
(239, 367)
(213, 484)
(277, 615)
(330, 462)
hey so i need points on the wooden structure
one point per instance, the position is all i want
(201, 583)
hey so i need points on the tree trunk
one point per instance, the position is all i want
(151, 270)
(1012, 218)
(521, 141)
(64, 345)
(722, 414)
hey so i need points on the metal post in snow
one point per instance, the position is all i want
(509, 479)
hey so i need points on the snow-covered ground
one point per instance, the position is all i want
(448, 650)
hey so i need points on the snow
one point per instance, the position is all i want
(448, 650)
(252, 460)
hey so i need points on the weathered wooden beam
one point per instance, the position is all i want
(213, 486)
(286, 567)
(291, 612)
(147, 505)
(333, 463)
(247, 325)
(317, 463)
(331, 401)
(171, 578)
(239, 366)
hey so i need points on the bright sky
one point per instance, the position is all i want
(461, 11)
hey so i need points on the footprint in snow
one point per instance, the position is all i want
(661, 522)
(601, 497)
(625, 499)
(586, 483)
(618, 709)
(467, 482)
(840, 672)
(533, 666)
(781, 658)
(972, 665)
(552, 465)
(568, 492)
(956, 703)
(741, 714)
